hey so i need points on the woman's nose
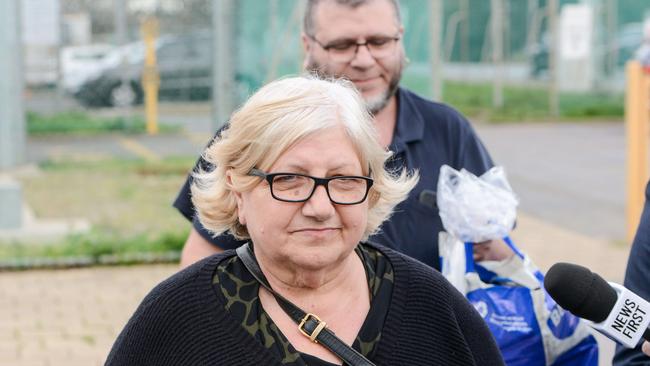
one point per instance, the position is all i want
(319, 204)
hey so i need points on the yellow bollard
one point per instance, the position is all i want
(637, 113)
(150, 76)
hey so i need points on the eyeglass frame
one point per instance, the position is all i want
(328, 47)
(317, 182)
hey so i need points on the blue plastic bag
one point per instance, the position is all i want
(529, 327)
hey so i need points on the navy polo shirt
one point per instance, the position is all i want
(427, 136)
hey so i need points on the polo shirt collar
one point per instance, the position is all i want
(410, 123)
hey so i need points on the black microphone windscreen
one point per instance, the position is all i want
(580, 291)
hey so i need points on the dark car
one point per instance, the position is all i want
(184, 63)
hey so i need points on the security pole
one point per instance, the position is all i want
(435, 29)
(223, 54)
(150, 75)
(12, 116)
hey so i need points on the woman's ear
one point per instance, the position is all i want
(306, 50)
(241, 216)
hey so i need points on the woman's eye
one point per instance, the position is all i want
(284, 178)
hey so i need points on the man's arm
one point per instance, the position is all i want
(196, 248)
(202, 243)
(637, 280)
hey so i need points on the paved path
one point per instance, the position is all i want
(69, 317)
(570, 174)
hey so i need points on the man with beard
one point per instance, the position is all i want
(361, 40)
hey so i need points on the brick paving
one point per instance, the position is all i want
(71, 317)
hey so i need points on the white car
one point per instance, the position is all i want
(80, 63)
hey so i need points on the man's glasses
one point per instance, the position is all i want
(292, 187)
(345, 50)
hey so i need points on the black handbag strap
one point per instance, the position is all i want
(308, 324)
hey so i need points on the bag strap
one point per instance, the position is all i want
(308, 324)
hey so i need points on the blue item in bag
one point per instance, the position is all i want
(528, 326)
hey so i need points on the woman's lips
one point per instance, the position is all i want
(324, 229)
(317, 232)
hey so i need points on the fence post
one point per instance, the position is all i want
(553, 96)
(224, 85)
(637, 113)
(436, 8)
(496, 36)
(12, 115)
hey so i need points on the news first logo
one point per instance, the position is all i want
(629, 320)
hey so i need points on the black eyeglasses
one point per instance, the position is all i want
(344, 50)
(293, 187)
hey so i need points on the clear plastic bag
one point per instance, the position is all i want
(476, 209)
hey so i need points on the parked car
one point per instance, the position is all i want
(184, 64)
(80, 63)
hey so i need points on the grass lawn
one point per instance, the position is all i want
(127, 202)
(82, 123)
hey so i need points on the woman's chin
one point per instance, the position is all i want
(314, 256)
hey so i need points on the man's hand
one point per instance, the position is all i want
(646, 348)
(492, 250)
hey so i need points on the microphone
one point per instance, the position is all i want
(611, 309)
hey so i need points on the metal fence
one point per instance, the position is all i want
(88, 49)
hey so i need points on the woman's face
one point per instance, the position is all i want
(317, 233)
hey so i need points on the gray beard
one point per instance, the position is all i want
(378, 103)
(374, 104)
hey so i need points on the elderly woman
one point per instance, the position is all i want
(300, 173)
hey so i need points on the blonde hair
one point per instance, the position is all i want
(277, 116)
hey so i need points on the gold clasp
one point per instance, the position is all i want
(321, 325)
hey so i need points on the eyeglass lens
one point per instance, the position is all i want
(299, 188)
(379, 47)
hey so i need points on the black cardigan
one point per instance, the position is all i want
(182, 322)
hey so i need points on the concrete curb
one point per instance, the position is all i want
(23, 264)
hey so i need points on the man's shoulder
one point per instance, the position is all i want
(429, 107)
(434, 118)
